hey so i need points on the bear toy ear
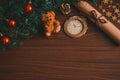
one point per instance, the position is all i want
(43, 18)
(53, 13)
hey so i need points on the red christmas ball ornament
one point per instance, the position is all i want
(11, 23)
(28, 8)
(5, 40)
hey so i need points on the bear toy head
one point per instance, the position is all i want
(48, 17)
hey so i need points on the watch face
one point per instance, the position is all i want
(75, 27)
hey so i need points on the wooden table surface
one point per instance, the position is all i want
(93, 57)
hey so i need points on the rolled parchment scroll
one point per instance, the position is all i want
(95, 16)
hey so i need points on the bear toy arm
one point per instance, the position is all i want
(57, 26)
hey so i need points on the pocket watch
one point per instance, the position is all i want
(75, 27)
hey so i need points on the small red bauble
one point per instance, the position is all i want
(5, 41)
(28, 9)
(12, 23)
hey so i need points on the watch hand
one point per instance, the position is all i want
(74, 25)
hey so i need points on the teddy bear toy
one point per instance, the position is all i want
(50, 23)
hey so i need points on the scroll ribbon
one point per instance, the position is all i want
(94, 15)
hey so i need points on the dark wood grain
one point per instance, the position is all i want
(92, 57)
